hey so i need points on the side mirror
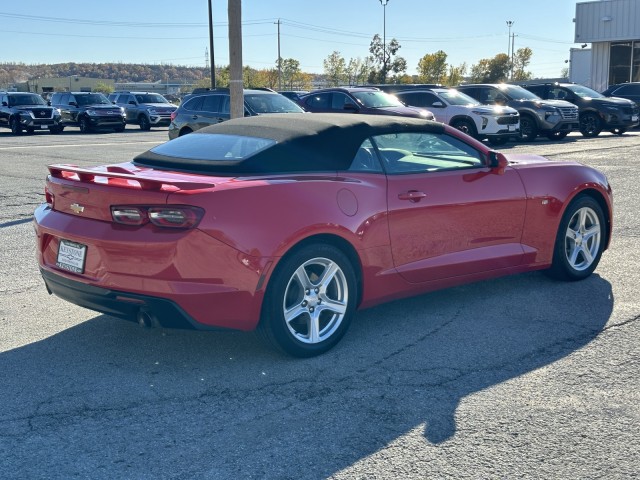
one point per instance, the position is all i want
(5, 104)
(498, 162)
(437, 105)
(132, 102)
(73, 104)
(351, 107)
(48, 102)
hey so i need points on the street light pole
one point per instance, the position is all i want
(509, 54)
(384, 39)
(213, 62)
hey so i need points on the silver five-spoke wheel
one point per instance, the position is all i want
(315, 300)
(582, 242)
(310, 300)
(582, 236)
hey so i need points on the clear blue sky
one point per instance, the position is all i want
(176, 32)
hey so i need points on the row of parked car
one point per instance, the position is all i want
(492, 112)
(495, 112)
(89, 111)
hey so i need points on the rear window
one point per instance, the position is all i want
(213, 146)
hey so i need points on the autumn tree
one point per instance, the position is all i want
(103, 88)
(335, 69)
(385, 60)
(521, 60)
(432, 68)
(456, 74)
(491, 70)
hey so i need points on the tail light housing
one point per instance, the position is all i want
(173, 115)
(164, 216)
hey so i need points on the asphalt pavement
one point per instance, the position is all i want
(519, 377)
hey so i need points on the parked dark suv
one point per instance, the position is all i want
(552, 118)
(597, 112)
(144, 108)
(367, 100)
(28, 112)
(88, 110)
(630, 91)
(208, 107)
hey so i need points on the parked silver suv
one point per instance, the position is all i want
(144, 108)
(552, 118)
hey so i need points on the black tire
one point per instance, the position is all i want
(580, 240)
(466, 126)
(144, 122)
(185, 131)
(56, 129)
(590, 125)
(528, 128)
(119, 129)
(618, 131)
(319, 308)
(14, 124)
(85, 125)
(557, 135)
(497, 141)
(31, 131)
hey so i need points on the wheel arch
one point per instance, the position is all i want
(328, 239)
(462, 116)
(599, 197)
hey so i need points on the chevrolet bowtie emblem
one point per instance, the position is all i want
(77, 208)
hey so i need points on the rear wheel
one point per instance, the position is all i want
(466, 126)
(185, 131)
(528, 129)
(145, 124)
(310, 301)
(590, 125)
(618, 131)
(14, 123)
(580, 241)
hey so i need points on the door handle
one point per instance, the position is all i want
(195, 117)
(412, 196)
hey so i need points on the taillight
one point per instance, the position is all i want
(166, 216)
(48, 196)
(173, 115)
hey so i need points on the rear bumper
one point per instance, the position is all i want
(128, 306)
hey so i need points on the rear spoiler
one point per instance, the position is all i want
(121, 177)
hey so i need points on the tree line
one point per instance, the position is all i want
(382, 65)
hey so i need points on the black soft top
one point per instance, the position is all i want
(305, 142)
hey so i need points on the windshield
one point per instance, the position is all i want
(151, 98)
(518, 93)
(271, 103)
(92, 99)
(26, 100)
(584, 92)
(377, 99)
(454, 97)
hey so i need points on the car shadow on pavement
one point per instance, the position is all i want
(109, 399)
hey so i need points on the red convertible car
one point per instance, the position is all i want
(289, 223)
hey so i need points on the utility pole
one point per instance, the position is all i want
(509, 24)
(513, 51)
(384, 39)
(234, 11)
(213, 62)
(279, 59)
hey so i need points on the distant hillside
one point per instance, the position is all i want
(12, 73)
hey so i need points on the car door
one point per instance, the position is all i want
(449, 213)
(427, 100)
(66, 110)
(320, 102)
(128, 102)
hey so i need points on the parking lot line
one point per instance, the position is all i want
(22, 147)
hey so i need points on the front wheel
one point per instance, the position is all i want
(590, 125)
(310, 301)
(528, 129)
(580, 241)
(466, 126)
(16, 129)
(85, 125)
(618, 131)
(145, 124)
